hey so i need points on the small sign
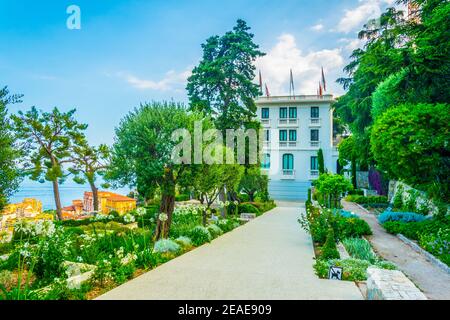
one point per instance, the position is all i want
(335, 273)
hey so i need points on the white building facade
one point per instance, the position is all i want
(295, 128)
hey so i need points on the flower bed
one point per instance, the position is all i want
(431, 234)
(330, 226)
(35, 267)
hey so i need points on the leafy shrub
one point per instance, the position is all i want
(200, 235)
(412, 230)
(317, 222)
(214, 230)
(356, 192)
(359, 248)
(353, 227)
(184, 241)
(263, 206)
(397, 202)
(400, 216)
(166, 245)
(228, 224)
(366, 200)
(353, 269)
(437, 244)
(329, 249)
(243, 197)
(182, 197)
(248, 208)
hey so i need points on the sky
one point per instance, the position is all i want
(129, 52)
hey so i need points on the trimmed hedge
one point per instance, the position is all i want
(248, 208)
(366, 200)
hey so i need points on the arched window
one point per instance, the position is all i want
(266, 161)
(288, 161)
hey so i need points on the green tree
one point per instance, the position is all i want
(347, 155)
(411, 143)
(47, 139)
(142, 153)
(9, 173)
(222, 84)
(331, 187)
(321, 161)
(253, 182)
(88, 162)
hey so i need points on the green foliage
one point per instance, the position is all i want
(410, 142)
(388, 94)
(199, 235)
(182, 197)
(253, 182)
(437, 244)
(366, 200)
(9, 173)
(398, 199)
(46, 141)
(353, 269)
(332, 186)
(317, 222)
(320, 161)
(248, 208)
(360, 248)
(222, 83)
(329, 249)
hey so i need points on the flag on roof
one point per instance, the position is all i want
(267, 91)
(260, 84)
(323, 81)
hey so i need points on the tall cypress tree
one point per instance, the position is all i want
(9, 173)
(321, 161)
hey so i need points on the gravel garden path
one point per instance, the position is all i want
(270, 257)
(433, 281)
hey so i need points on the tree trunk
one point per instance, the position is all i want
(94, 195)
(57, 199)
(251, 196)
(167, 204)
(204, 217)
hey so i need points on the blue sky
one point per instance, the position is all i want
(132, 51)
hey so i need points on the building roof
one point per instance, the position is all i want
(111, 196)
(327, 98)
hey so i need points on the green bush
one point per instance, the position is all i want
(352, 269)
(366, 200)
(248, 208)
(243, 197)
(329, 249)
(182, 197)
(199, 235)
(359, 248)
(353, 227)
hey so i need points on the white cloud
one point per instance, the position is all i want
(306, 67)
(367, 9)
(171, 81)
(317, 27)
(352, 44)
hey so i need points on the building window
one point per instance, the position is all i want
(283, 135)
(283, 113)
(266, 135)
(314, 163)
(314, 112)
(292, 135)
(315, 135)
(265, 113)
(266, 161)
(293, 113)
(288, 161)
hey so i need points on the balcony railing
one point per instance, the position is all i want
(288, 144)
(313, 174)
(314, 144)
(288, 174)
(265, 122)
(288, 122)
(315, 122)
(266, 144)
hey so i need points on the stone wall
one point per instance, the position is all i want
(385, 284)
(422, 199)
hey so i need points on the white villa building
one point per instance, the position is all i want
(295, 128)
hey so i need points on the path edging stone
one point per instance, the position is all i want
(438, 263)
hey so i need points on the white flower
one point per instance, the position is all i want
(227, 203)
(128, 218)
(163, 217)
(141, 211)
(236, 202)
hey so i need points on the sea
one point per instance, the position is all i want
(69, 191)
